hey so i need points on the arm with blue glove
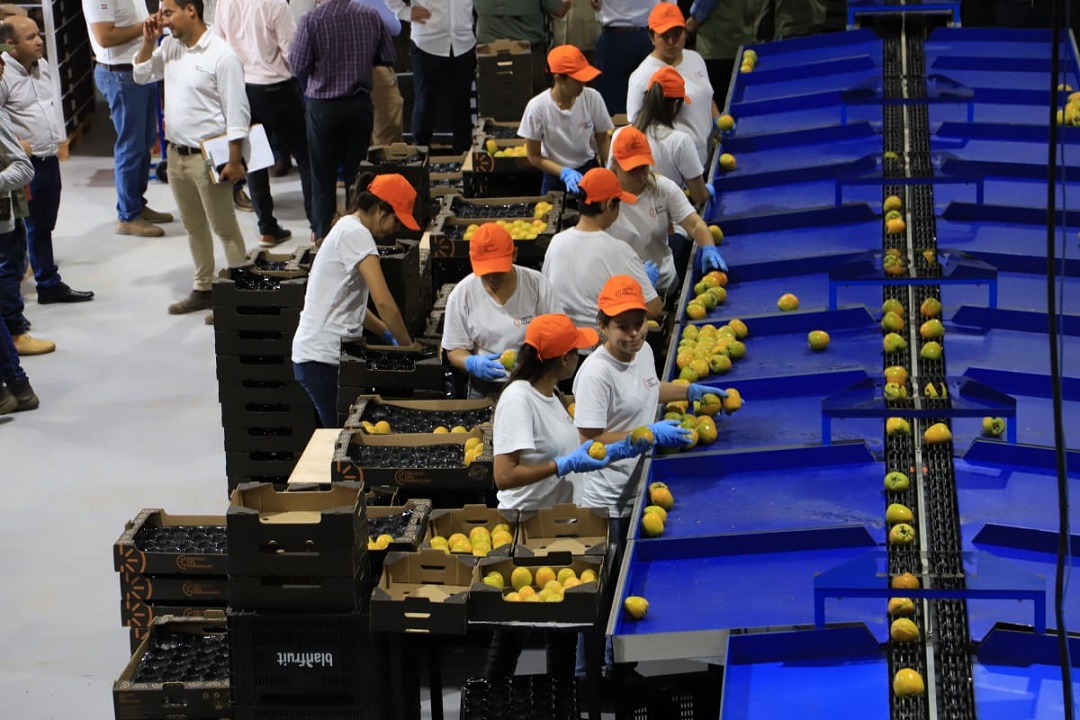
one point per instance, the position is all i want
(670, 434)
(652, 270)
(696, 391)
(389, 338)
(580, 461)
(570, 178)
(626, 448)
(711, 259)
(485, 367)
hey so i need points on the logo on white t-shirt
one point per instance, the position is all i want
(523, 320)
(650, 383)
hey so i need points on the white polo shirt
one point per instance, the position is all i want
(448, 30)
(566, 136)
(645, 225)
(122, 13)
(625, 13)
(695, 117)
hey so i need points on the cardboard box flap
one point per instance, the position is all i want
(430, 575)
(300, 506)
(502, 47)
(397, 151)
(563, 529)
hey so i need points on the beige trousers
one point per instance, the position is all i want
(386, 98)
(205, 206)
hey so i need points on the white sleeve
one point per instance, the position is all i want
(513, 428)
(96, 11)
(153, 69)
(455, 333)
(592, 398)
(685, 156)
(356, 245)
(599, 111)
(549, 301)
(233, 95)
(532, 126)
(635, 93)
(679, 207)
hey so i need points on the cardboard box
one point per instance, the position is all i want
(318, 532)
(426, 591)
(288, 593)
(562, 530)
(408, 540)
(477, 476)
(427, 413)
(507, 208)
(448, 238)
(446, 177)
(503, 78)
(174, 589)
(176, 700)
(480, 160)
(136, 613)
(580, 604)
(129, 557)
(417, 366)
(445, 523)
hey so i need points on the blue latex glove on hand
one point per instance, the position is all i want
(626, 449)
(711, 259)
(711, 189)
(485, 367)
(696, 391)
(570, 178)
(652, 270)
(579, 461)
(669, 434)
(389, 338)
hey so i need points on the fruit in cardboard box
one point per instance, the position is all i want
(495, 579)
(587, 575)
(491, 146)
(543, 576)
(565, 574)
(521, 577)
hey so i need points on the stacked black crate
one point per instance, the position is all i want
(267, 416)
(412, 163)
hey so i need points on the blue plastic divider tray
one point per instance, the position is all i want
(798, 52)
(1017, 675)
(799, 163)
(992, 44)
(760, 297)
(1016, 291)
(1019, 248)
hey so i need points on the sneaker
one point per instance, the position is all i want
(153, 216)
(139, 227)
(195, 301)
(8, 402)
(209, 319)
(275, 238)
(24, 395)
(61, 293)
(241, 200)
(26, 345)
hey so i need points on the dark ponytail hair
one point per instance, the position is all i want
(362, 200)
(657, 109)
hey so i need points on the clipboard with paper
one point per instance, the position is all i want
(256, 152)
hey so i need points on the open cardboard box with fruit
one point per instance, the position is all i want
(451, 236)
(491, 209)
(426, 591)
(456, 460)
(494, 154)
(499, 526)
(569, 529)
(499, 594)
(418, 416)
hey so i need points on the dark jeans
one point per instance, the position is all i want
(133, 109)
(450, 80)
(338, 135)
(506, 647)
(12, 269)
(552, 183)
(10, 369)
(681, 247)
(44, 207)
(319, 381)
(280, 109)
(618, 53)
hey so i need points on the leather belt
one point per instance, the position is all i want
(185, 150)
(117, 68)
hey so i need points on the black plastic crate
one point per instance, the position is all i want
(308, 710)
(691, 696)
(414, 367)
(269, 463)
(525, 697)
(240, 287)
(256, 317)
(289, 439)
(301, 593)
(254, 342)
(233, 368)
(263, 391)
(268, 414)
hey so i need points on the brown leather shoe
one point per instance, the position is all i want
(209, 318)
(26, 345)
(151, 215)
(195, 301)
(241, 200)
(138, 227)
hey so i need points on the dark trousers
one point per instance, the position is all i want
(719, 70)
(280, 109)
(506, 647)
(10, 369)
(618, 53)
(12, 269)
(338, 135)
(44, 207)
(443, 85)
(319, 381)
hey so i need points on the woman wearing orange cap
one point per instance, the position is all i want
(345, 274)
(487, 312)
(539, 457)
(667, 29)
(566, 128)
(661, 204)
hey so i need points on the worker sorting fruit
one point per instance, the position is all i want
(647, 225)
(566, 127)
(487, 313)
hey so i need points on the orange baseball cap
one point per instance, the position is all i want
(621, 293)
(555, 334)
(491, 250)
(396, 191)
(673, 83)
(600, 184)
(666, 16)
(568, 60)
(631, 149)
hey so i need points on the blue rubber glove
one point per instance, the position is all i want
(485, 367)
(711, 189)
(669, 434)
(570, 178)
(626, 449)
(579, 461)
(696, 391)
(711, 259)
(389, 338)
(652, 270)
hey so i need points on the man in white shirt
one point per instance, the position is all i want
(26, 95)
(205, 98)
(622, 45)
(444, 61)
(261, 31)
(115, 27)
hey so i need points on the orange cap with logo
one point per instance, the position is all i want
(396, 191)
(631, 149)
(673, 83)
(491, 250)
(666, 16)
(621, 293)
(568, 60)
(555, 334)
(600, 184)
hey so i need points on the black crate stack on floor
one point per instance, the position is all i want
(267, 416)
(413, 163)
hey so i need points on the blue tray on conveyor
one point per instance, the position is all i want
(1020, 248)
(832, 673)
(760, 297)
(998, 60)
(1017, 674)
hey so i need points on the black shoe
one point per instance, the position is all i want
(8, 402)
(278, 236)
(281, 168)
(25, 395)
(61, 293)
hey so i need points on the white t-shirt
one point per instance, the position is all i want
(674, 154)
(618, 397)
(566, 136)
(625, 13)
(578, 264)
(695, 117)
(645, 226)
(122, 13)
(476, 322)
(337, 296)
(541, 429)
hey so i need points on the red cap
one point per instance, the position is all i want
(491, 250)
(555, 334)
(673, 83)
(399, 194)
(600, 184)
(620, 294)
(631, 149)
(568, 60)
(666, 16)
